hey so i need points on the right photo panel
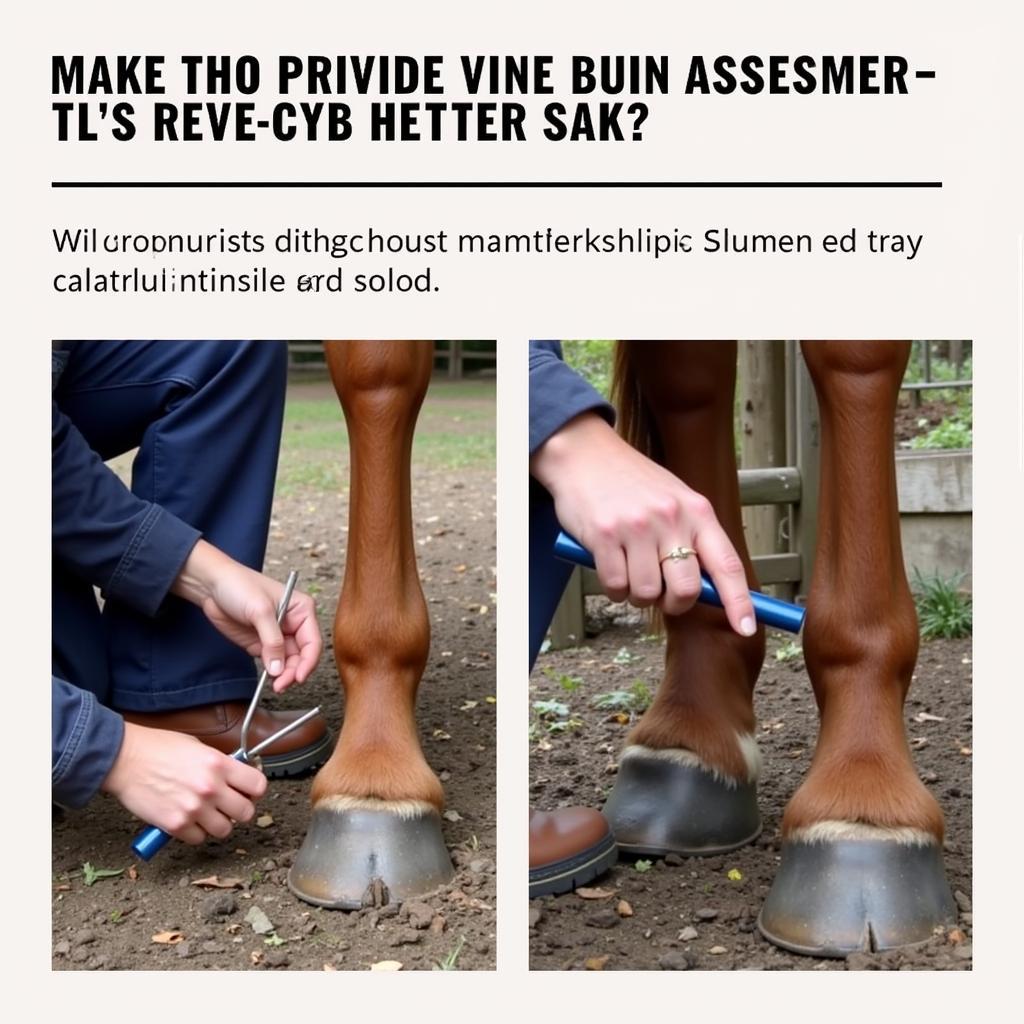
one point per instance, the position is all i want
(750, 622)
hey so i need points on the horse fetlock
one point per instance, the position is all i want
(395, 774)
(879, 796)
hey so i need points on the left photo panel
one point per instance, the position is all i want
(274, 604)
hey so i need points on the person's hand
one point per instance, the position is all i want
(242, 604)
(181, 785)
(630, 512)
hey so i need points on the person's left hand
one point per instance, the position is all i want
(242, 604)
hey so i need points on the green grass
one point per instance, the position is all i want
(451, 959)
(943, 609)
(954, 432)
(455, 430)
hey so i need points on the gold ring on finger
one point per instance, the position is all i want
(678, 554)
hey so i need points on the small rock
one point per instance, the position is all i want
(676, 961)
(606, 918)
(673, 860)
(385, 912)
(217, 906)
(717, 950)
(535, 916)
(596, 963)
(62, 948)
(964, 951)
(183, 950)
(276, 958)
(270, 865)
(406, 937)
(437, 924)
(482, 866)
(261, 924)
(80, 955)
(623, 909)
(688, 934)
(84, 936)
(418, 913)
(211, 947)
(963, 901)
(705, 913)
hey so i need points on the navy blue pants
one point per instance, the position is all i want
(206, 418)
(548, 575)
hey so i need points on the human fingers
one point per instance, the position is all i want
(724, 566)
(263, 617)
(248, 781)
(307, 636)
(190, 833)
(681, 571)
(214, 822)
(610, 565)
(235, 805)
(645, 580)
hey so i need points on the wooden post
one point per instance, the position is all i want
(455, 360)
(568, 620)
(762, 396)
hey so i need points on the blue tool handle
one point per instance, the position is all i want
(769, 610)
(149, 843)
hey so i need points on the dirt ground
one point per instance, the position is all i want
(116, 923)
(698, 913)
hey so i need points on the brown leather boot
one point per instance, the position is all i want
(220, 726)
(568, 847)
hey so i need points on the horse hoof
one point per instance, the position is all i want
(349, 852)
(663, 804)
(836, 897)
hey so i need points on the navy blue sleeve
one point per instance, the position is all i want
(558, 393)
(86, 741)
(130, 548)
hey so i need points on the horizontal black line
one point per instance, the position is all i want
(924, 74)
(496, 184)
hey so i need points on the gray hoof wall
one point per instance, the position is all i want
(348, 853)
(836, 898)
(658, 806)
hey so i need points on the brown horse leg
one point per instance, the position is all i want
(376, 802)
(687, 778)
(862, 837)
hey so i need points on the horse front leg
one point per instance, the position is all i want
(862, 837)
(687, 777)
(377, 803)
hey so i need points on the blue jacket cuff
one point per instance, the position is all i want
(558, 394)
(86, 741)
(152, 561)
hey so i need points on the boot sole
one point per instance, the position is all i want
(298, 763)
(565, 875)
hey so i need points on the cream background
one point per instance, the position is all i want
(963, 127)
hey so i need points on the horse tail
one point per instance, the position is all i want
(635, 422)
